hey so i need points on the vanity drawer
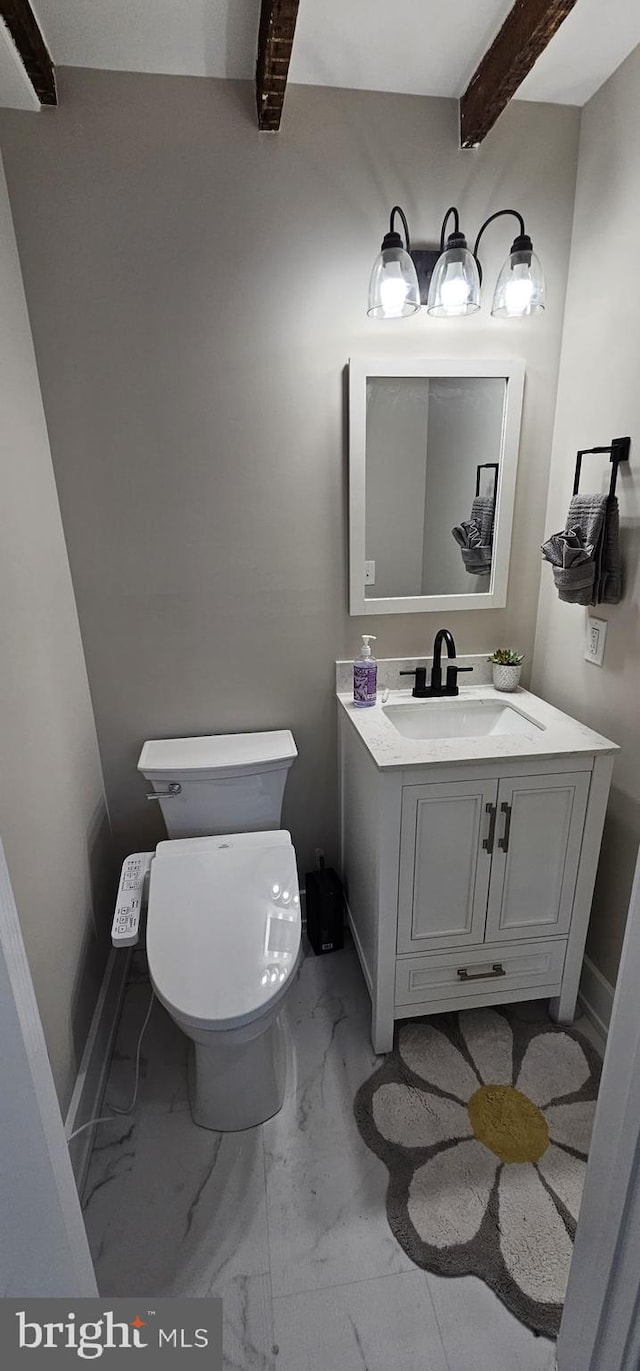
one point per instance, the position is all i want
(435, 976)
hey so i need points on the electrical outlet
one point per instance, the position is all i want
(595, 641)
(369, 573)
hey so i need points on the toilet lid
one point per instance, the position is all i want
(223, 926)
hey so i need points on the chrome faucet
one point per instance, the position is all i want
(421, 690)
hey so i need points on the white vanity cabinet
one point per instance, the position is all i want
(469, 883)
(489, 860)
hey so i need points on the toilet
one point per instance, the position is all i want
(223, 919)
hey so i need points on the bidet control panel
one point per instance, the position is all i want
(126, 920)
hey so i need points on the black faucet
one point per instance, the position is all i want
(421, 690)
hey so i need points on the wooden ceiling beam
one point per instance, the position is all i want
(275, 43)
(34, 54)
(526, 31)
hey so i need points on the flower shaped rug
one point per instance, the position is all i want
(483, 1120)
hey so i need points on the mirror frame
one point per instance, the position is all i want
(360, 369)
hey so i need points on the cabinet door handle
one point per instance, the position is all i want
(503, 842)
(487, 842)
(496, 970)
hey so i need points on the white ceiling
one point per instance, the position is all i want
(424, 47)
(181, 37)
(594, 39)
(421, 47)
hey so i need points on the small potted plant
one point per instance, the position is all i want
(507, 665)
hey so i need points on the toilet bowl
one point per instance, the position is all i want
(223, 945)
(223, 921)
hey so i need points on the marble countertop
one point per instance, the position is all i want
(556, 734)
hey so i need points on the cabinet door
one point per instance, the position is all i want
(536, 855)
(445, 862)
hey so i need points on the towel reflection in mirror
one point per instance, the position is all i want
(475, 536)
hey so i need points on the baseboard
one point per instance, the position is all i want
(596, 997)
(92, 1075)
(358, 947)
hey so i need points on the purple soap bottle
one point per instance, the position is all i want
(365, 674)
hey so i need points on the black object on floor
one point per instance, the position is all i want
(325, 910)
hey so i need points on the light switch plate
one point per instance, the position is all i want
(369, 573)
(596, 638)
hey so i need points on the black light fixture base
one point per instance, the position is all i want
(391, 240)
(424, 261)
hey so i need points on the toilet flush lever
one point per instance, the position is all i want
(174, 789)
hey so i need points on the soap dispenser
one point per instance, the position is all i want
(365, 674)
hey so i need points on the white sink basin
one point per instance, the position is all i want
(458, 719)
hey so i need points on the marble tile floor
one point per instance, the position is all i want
(287, 1221)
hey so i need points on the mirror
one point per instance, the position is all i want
(432, 466)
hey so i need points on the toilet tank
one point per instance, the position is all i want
(225, 783)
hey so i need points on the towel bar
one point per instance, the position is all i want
(493, 466)
(619, 452)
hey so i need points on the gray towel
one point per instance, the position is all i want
(585, 555)
(483, 511)
(477, 560)
(573, 565)
(475, 536)
(610, 579)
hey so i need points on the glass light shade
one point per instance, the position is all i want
(520, 287)
(454, 288)
(393, 289)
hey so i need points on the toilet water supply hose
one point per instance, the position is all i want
(108, 1118)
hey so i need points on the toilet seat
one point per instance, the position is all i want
(223, 927)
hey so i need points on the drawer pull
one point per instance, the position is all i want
(503, 842)
(487, 842)
(496, 970)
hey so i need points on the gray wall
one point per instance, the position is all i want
(195, 290)
(599, 399)
(465, 429)
(395, 479)
(44, 1248)
(53, 818)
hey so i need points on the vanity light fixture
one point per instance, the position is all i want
(394, 292)
(454, 288)
(520, 286)
(448, 281)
